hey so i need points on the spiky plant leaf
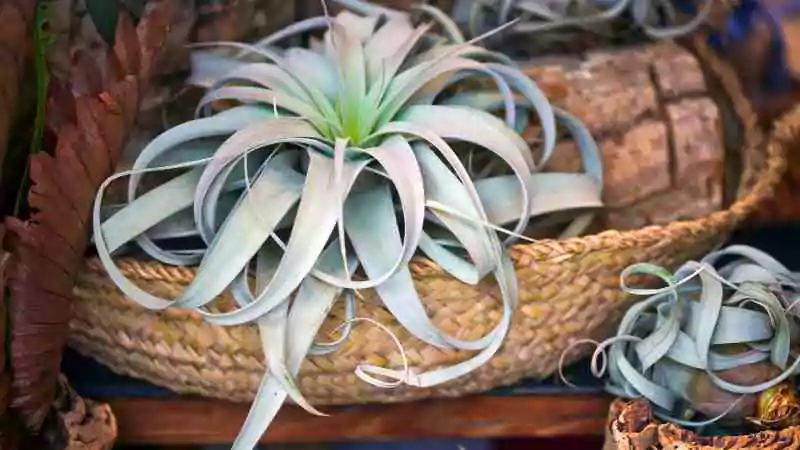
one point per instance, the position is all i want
(351, 150)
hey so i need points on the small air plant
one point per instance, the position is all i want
(718, 342)
(658, 19)
(322, 171)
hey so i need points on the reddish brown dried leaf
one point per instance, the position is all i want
(60, 104)
(126, 46)
(50, 245)
(9, 80)
(6, 434)
(126, 94)
(97, 158)
(79, 54)
(175, 56)
(64, 227)
(153, 31)
(58, 279)
(54, 312)
(16, 18)
(86, 76)
(112, 121)
(72, 183)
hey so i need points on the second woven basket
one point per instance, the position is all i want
(568, 289)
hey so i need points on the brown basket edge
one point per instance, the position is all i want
(786, 130)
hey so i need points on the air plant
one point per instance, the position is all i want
(658, 19)
(718, 340)
(322, 171)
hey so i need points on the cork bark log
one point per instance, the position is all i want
(631, 427)
(657, 125)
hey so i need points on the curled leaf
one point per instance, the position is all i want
(715, 340)
(539, 16)
(361, 163)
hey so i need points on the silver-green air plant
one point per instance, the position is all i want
(658, 19)
(718, 340)
(322, 171)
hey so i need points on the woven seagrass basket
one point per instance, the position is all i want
(631, 427)
(568, 290)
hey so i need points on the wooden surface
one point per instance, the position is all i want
(200, 421)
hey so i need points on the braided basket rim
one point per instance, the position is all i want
(550, 248)
(758, 178)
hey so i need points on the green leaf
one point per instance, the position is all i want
(310, 308)
(315, 219)
(484, 130)
(273, 330)
(444, 187)
(345, 47)
(104, 14)
(135, 7)
(150, 209)
(42, 40)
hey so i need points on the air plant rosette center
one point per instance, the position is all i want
(320, 172)
(718, 343)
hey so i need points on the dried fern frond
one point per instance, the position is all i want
(18, 18)
(92, 107)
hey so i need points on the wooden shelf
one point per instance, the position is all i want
(146, 421)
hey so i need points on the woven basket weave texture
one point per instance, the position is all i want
(568, 290)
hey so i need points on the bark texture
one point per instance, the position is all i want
(631, 427)
(659, 129)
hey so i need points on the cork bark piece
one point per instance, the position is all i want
(659, 131)
(673, 437)
(677, 73)
(791, 31)
(632, 427)
(611, 90)
(697, 130)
